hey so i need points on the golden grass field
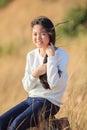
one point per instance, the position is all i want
(15, 28)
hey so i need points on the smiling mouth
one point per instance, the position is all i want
(39, 42)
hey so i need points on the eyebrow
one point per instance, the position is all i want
(43, 31)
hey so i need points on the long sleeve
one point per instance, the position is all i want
(54, 63)
(29, 82)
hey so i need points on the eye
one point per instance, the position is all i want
(34, 34)
(43, 33)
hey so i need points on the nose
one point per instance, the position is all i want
(38, 37)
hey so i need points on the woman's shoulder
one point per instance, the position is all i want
(33, 52)
(61, 52)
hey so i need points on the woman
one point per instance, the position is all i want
(45, 79)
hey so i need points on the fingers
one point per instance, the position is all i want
(50, 50)
(51, 44)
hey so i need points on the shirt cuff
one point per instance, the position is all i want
(33, 79)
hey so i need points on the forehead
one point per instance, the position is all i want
(38, 27)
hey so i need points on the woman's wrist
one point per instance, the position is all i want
(35, 74)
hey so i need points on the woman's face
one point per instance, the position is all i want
(40, 37)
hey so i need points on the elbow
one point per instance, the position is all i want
(56, 85)
(25, 86)
(53, 84)
(57, 82)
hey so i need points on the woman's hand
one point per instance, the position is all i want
(50, 51)
(39, 71)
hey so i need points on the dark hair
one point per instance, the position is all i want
(47, 24)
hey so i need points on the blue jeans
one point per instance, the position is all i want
(27, 113)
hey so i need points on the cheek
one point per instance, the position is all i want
(47, 39)
(33, 39)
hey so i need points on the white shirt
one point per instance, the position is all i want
(57, 84)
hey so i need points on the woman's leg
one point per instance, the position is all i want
(9, 116)
(30, 116)
(50, 109)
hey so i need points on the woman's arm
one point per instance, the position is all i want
(31, 76)
(29, 81)
(54, 64)
(39, 71)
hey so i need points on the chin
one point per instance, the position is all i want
(39, 46)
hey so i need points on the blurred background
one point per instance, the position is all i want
(16, 41)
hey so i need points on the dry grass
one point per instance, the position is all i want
(75, 96)
(14, 26)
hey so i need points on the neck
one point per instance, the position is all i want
(42, 52)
